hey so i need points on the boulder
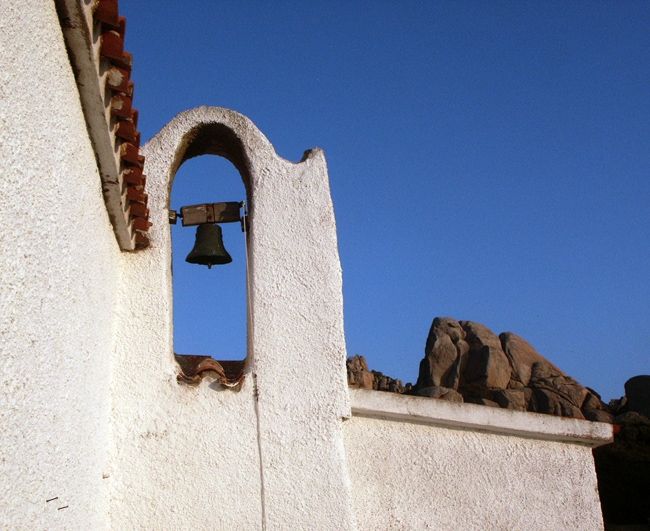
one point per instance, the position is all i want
(637, 392)
(632, 418)
(381, 382)
(485, 402)
(486, 364)
(522, 356)
(358, 373)
(487, 369)
(551, 403)
(594, 409)
(443, 355)
(444, 393)
(598, 415)
(510, 399)
(545, 376)
(361, 377)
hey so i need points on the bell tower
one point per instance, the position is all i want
(284, 425)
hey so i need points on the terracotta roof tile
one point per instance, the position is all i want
(105, 74)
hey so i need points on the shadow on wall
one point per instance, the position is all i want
(623, 467)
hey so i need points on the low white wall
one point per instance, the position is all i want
(58, 284)
(420, 463)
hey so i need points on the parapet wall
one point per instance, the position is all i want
(420, 463)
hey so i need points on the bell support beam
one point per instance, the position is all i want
(225, 212)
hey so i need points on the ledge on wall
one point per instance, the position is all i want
(390, 406)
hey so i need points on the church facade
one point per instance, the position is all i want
(98, 429)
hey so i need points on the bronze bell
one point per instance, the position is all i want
(208, 247)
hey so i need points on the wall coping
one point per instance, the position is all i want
(436, 412)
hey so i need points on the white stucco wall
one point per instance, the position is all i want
(207, 457)
(419, 463)
(58, 285)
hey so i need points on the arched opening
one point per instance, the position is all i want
(210, 306)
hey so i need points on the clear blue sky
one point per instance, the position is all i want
(488, 161)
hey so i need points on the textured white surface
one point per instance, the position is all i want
(58, 278)
(182, 457)
(189, 458)
(415, 474)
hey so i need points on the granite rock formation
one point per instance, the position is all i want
(466, 361)
(637, 395)
(361, 377)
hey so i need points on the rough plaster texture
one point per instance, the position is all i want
(58, 279)
(271, 453)
(413, 468)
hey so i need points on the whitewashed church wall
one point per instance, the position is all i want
(58, 285)
(418, 463)
(93, 419)
(183, 457)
